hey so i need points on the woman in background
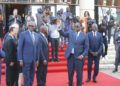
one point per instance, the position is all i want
(55, 35)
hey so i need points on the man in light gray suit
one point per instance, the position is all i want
(76, 51)
(43, 56)
(39, 17)
(27, 53)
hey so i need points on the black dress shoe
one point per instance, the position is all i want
(57, 60)
(88, 80)
(115, 70)
(94, 81)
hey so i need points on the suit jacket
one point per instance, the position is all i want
(43, 48)
(80, 44)
(10, 49)
(95, 46)
(12, 19)
(27, 50)
(39, 18)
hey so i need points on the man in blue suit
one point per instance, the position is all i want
(42, 57)
(95, 51)
(27, 53)
(76, 51)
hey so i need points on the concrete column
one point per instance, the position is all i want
(87, 5)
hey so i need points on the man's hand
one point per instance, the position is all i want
(80, 57)
(21, 63)
(45, 62)
(37, 63)
(11, 63)
(96, 53)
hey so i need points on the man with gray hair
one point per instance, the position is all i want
(95, 51)
(43, 56)
(77, 50)
(27, 53)
(10, 49)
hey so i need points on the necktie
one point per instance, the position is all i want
(94, 40)
(33, 37)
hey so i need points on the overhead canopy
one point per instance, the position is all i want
(37, 2)
(108, 3)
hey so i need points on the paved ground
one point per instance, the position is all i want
(107, 65)
(109, 72)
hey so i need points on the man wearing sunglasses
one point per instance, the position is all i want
(27, 53)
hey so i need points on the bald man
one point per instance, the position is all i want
(95, 51)
(43, 56)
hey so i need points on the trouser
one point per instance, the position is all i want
(55, 44)
(41, 74)
(109, 34)
(28, 73)
(96, 66)
(104, 53)
(12, 75)
(117, 59)
(72, 65)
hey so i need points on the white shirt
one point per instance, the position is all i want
(78, 33)
(108, 17)
(32, 36)
(54, 33)
(94, 33)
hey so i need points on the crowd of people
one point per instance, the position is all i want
(25, 46)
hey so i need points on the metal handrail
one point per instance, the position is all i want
(38, 3)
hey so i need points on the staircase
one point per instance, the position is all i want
(109, 62)
(62, 65)
(54, 67)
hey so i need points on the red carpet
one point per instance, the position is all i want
(54, 67)
(60, 79)
(57, 74)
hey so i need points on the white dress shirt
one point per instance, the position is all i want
(94, 33)
(108, 17)
(32, 36)
(78, 33)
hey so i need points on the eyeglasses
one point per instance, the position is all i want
(31, 26)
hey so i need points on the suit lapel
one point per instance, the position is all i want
(31, 37)
(44, 40)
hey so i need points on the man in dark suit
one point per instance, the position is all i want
(43, 56)
(76, 51)
(15, 18)
(95, 50)
(110, 23)
(27, 53)
(10, 48)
